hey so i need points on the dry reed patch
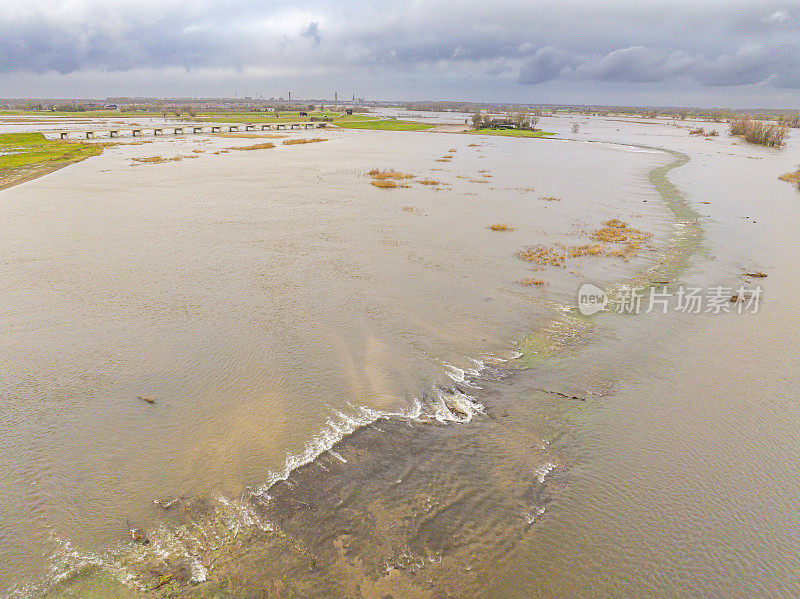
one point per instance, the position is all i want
(792, 177)
(265, 146)
(248, 135)
(407, 208)
(291, 142)
(443, 160)
(452, 150)
(500, 227)
(621, 241)
(697, 131)
(198, 151)
(386, 173)
(387, 183)
(428, 182)
(543, 255)
(759, 132)
(532, 282)
(156, 159)
(549, 198)
(474, 146)
(478, 181)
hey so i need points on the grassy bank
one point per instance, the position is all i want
(25, 156)
(383, 125)
(511, 132)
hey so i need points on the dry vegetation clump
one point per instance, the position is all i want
(452, 150)
(291, 142)
(532, 282)
(264, 146)
(617, 231)
(697, 131)
(549, 198)
(156, 159)
(543, 255)
(407, 208)
(386, 173)
(428, 182)
(474, 146)
(384, 183)
(792, 177)
(248, 135)
(387, 183)
(759, 132)
(712, 133)
(501, 227)
(478, 181)
(443, 160)
(621, 241)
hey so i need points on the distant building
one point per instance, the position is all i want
(110, 107)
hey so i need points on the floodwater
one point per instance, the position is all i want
(354, 394)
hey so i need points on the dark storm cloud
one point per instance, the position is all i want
(714, 43)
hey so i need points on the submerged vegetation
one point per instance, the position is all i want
(616, 239)
(759, 132)
(264, 146)
(388, 178)
(303, 140)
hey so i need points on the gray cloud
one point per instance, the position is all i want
(514, 45)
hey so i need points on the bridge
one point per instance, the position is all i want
(188, 129)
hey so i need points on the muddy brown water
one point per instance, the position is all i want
(357, 400)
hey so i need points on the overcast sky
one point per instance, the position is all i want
(709, 53)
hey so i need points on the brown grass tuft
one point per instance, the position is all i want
(532, 282)
(792, 177)
(389, 174)
(428, 182)
(549, 198)
(500, 227)
(264, 146)
(386, 183)
(291, 142)
(759, 132)
(157, 159)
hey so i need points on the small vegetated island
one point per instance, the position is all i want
(518, 124)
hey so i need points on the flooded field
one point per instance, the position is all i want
(291, 382)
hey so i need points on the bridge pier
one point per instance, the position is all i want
(215, 129)
(158, 131)
(263, 127)
(90, 135)
(113, 133)
(197, 130)
(233, 128)
(309, 125)
(295, 126)
(280, 126)
(135, 131)
(178, 129)
(64, 135)
(249, 127)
